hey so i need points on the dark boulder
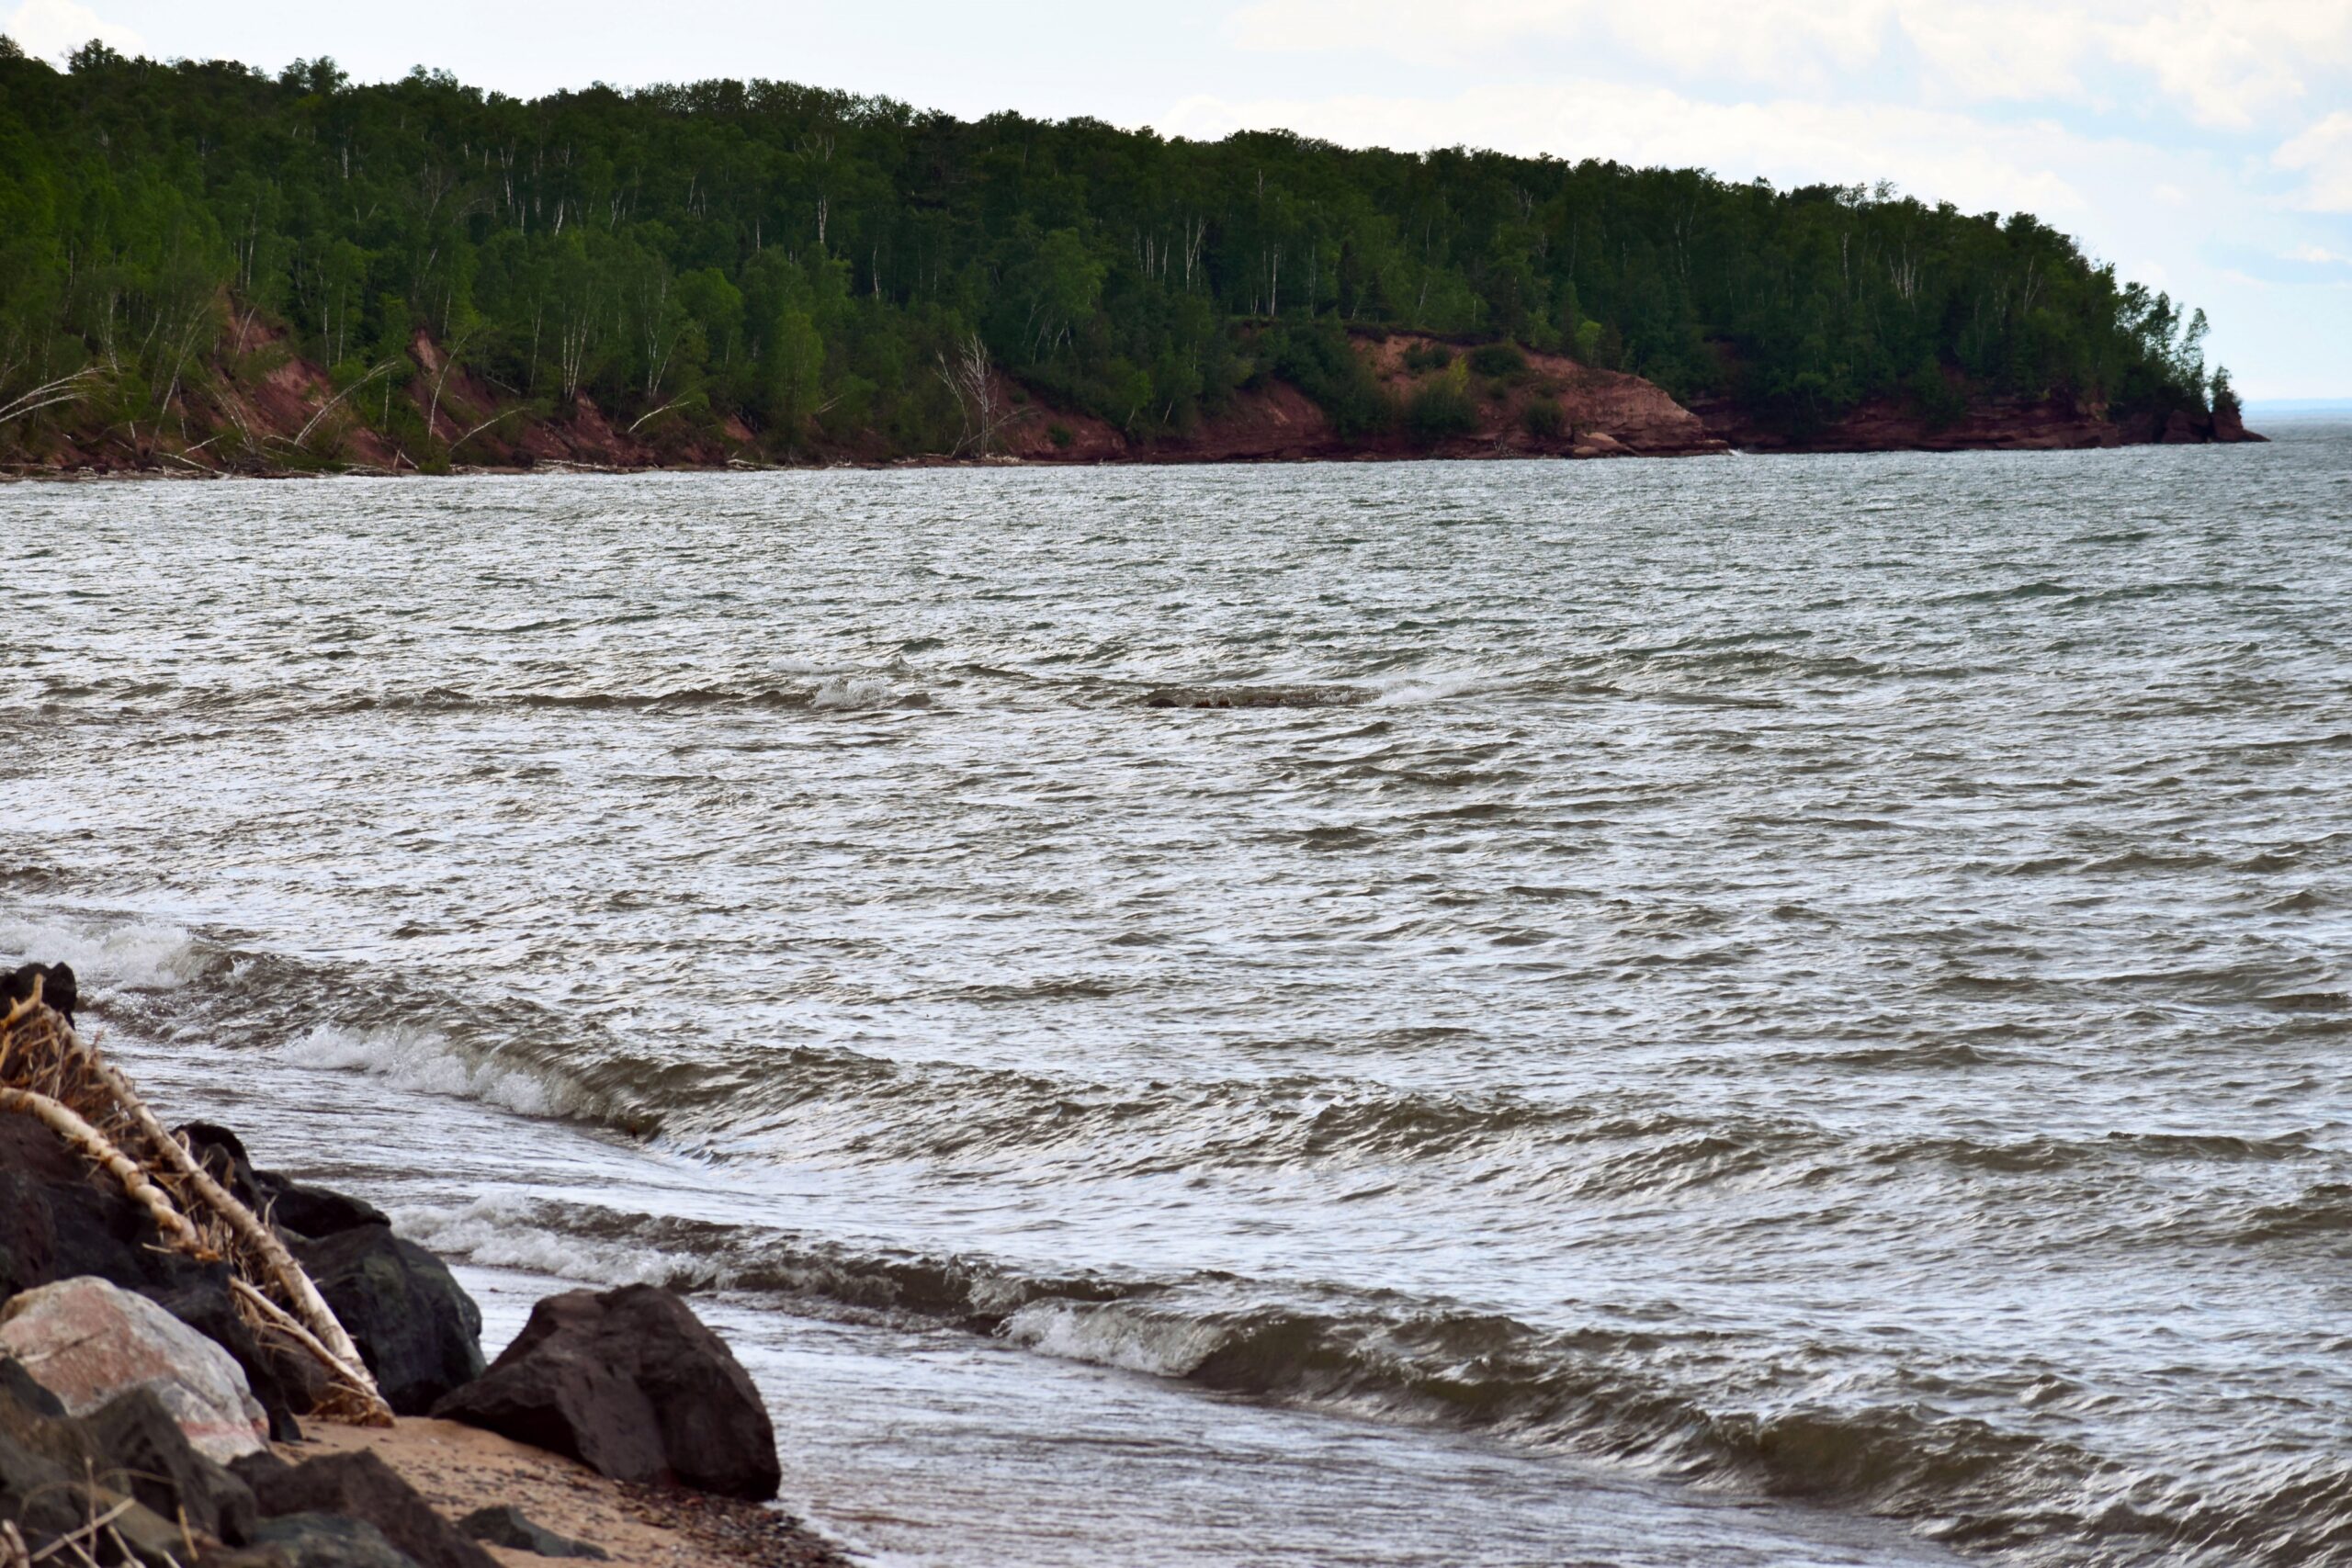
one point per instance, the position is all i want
(54, 1473)
(315, 1211)
(362, 1486)
(509, 1528)
(21, 1389)
(222, 1154)
(630, 1384)
(326, 1540)
(58, 988)
(148, 1457)
(57, 1222)
(309, 1212)
(415, 1327)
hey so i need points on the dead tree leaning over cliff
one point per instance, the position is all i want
(969, 377)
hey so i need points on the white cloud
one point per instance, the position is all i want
(1761, 39)
(2319, 255)
(1990, 51)
(2323, 154)
(2231, 64)
(56, 27)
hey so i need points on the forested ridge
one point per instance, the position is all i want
(824, 271)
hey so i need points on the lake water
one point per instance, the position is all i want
(1794, 1011)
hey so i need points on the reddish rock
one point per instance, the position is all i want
(2229, 425)
(1999, 425)
(87, 1341)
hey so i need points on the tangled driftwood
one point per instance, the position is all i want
(48, 1072)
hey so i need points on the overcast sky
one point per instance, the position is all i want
(2205, 146)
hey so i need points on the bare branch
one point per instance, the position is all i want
(304, 433)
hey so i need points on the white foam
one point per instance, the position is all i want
(424, 1059)
(135, 956)
(852, 692)
(1419, 689)
(1108, 1335)
(501, 1233)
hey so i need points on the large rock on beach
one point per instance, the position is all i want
(361, 1486)
(415, 1327)
(129, 1461)
(58, 988)
(511, 1527)
(87, 1341)
(324, 1540)
(151, 1458)
(633, 1385)
(58, 1221)
(417, 1330)
(289, 1205)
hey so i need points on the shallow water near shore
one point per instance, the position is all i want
(1730, 1011)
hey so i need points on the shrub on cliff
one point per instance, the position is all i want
(1497, 359)
(1544, 419)
(1318, 359)
(1439, 411)
(1939, 403)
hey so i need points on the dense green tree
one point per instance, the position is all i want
(811, 261)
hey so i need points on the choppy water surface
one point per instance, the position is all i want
(1787, 1011)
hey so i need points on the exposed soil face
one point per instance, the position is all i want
(1602, 413)
(264, 410)
(1994, 424)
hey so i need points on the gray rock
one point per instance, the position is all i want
(328, 1541)
(362, 1486)
(511, 1527)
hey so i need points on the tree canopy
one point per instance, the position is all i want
(805, 258)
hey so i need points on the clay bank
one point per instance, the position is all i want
(260, 409)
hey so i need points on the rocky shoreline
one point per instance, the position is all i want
(148, 1414)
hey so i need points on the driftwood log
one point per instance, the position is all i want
(49, 1072)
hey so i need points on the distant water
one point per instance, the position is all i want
(1765, 1011)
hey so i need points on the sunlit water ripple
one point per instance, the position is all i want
(1764, 1011)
